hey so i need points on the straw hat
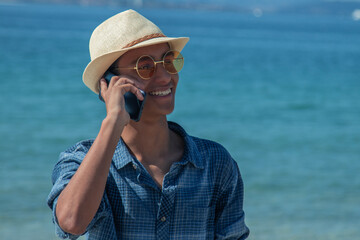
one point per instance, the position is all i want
(123, 32)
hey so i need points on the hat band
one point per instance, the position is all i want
(147, 37)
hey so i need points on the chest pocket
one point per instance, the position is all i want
(195, 207)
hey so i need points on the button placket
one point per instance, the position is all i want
(165, 210)
(134, 166)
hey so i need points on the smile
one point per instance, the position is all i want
(160, 93)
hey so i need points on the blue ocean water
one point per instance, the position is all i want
(280, 92)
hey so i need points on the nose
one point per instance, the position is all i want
(161, 75)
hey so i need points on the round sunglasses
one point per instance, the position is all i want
(145, 66)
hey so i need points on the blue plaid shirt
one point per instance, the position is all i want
(201, 196)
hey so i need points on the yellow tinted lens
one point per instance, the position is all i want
(173, 62)
(145, 67)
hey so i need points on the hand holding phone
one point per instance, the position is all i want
(132, 104)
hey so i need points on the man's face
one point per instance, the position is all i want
(160, 88)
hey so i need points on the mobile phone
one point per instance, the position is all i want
(132, 104)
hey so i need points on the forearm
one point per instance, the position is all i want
(79, 201)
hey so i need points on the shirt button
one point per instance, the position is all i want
(163, 219)
(134, 166)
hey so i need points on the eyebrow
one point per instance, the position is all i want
(162, 56)
(135, 60)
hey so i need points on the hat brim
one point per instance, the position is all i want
(97, 67)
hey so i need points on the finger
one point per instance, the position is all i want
(103, 84)
(113, 80)
(123, 80)
(103, 88)
(139, 95)
(126, 80)
(131, 88)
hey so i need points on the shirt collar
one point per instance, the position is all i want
(122, 156)
(191, 152)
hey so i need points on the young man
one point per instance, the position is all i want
(147, 179)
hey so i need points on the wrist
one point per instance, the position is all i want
(113, 122)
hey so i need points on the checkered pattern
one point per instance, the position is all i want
(201, 197)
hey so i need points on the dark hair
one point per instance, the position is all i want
(113, 67)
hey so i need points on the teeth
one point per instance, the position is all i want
(161, 93)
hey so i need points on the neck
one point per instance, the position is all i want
(154, 145)
(148, 139)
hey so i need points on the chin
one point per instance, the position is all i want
(158, 111)
(166, 111)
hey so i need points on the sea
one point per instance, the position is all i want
(281, 92)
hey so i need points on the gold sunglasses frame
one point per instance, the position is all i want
(155, 62)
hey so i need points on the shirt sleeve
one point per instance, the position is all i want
(230, 217)
(69, 162)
